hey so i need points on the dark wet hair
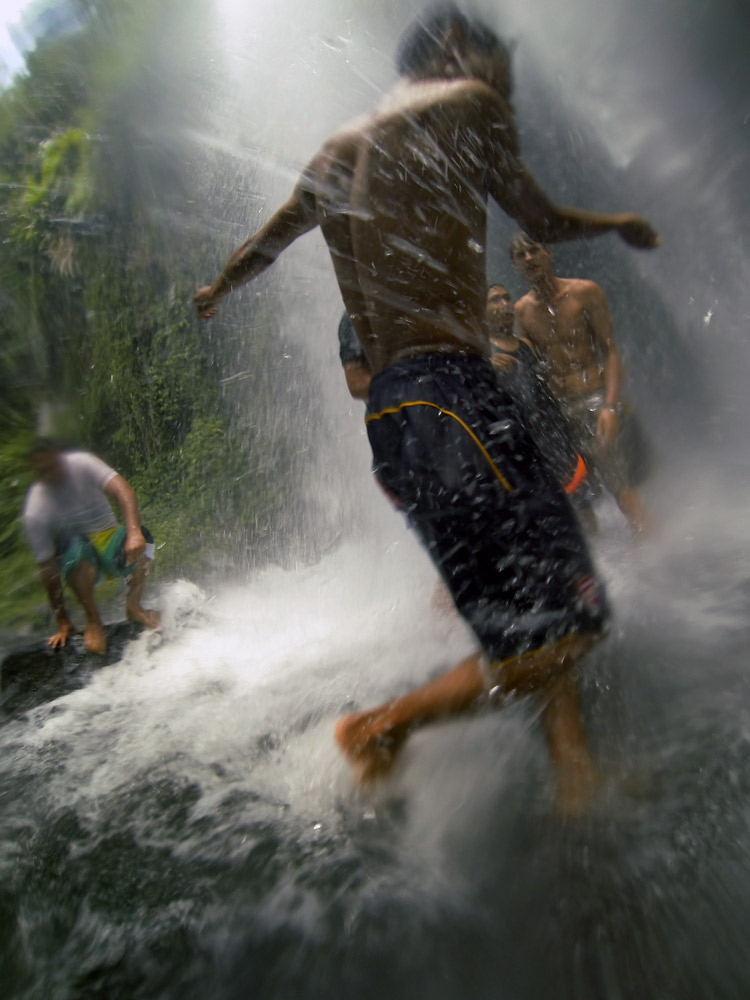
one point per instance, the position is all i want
(423, 39)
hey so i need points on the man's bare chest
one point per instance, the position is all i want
(558, 325)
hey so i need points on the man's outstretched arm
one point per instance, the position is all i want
(518, 193)
(295, 217)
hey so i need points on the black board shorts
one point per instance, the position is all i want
(453, 451)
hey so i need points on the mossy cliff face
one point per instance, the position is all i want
(103, 241)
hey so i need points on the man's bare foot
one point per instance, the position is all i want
(144, 616)
(60, 638)
(371, 746)
(95, 638)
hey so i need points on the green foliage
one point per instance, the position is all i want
(15, 479)
(22, 601)
(60, 158)
(20, 592)
(98, 263)
(147, 373)
(189, 493)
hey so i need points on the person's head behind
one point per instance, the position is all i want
(443, 42)
(499, 310)
(45, 461)
(528, 256)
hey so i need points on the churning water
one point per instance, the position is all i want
(183, 826)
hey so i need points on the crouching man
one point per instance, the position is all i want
(75, 536)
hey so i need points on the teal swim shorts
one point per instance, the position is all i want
(105, 550)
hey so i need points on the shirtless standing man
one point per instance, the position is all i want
(567, 320)
(518, 370)
(401, 198)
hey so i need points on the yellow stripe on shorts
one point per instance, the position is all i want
(100, 540)
(469, 431)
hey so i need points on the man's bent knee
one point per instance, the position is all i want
(535, 670)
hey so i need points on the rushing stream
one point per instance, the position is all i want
(184, 827)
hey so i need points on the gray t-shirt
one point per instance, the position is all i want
(75, 506)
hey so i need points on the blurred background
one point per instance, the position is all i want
(182, 826)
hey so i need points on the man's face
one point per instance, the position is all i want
(500, 312)
(48, 467)
(531, 259)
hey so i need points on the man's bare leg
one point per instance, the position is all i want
(630, 503)
(568, 748)
(82, 582)
(133, 609)
(372, 740)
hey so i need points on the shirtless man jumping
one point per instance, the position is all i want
(401, 198)
(567, 320)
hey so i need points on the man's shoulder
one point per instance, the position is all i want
(78, 457)
(34, 497)
(38, 507)
(339, 150)
(343, 143)
(80, 460)
(348, 133)
(527, 302)
(474, 90)
(471, 100)
(583, 288)
(89, 465)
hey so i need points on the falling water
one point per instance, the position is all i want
(182, 826)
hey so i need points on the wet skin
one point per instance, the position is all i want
(401, 198)
(568, 321)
